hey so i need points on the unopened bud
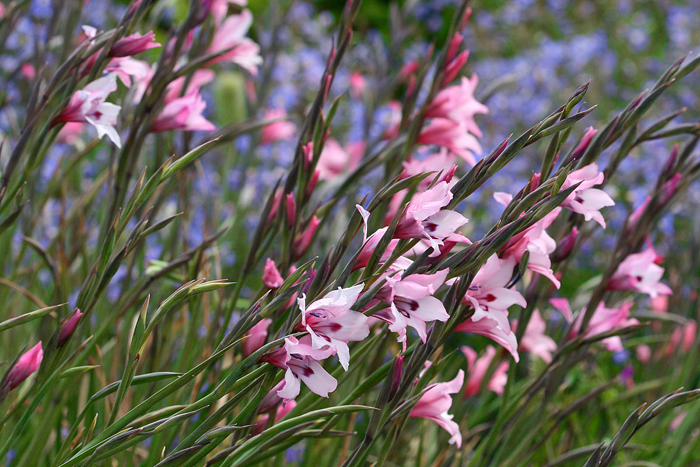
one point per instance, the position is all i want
(68, 328)
(565, 246)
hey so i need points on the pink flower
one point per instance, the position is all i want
(436, 402)
(88, 105)
(256, 336)
(126, 68)
(183, 113)
(271, 276)
(640, 272)
(301, 362)
(457, 103)
(331, 322)
(369, 244)
(27, 364)
(539, 244)
(28, 71)
(230, 37)
(412, 303)
(682, 337)
(643, 353)
(478, 368)
(442, 161)
(535, 340)
(335, 161)
(358, 84)
(585, 141)
(282, 410)
(603, 320)
(424, 219)
(278, 130)
(219, 8)
(488, 293)
(199, 79)
(453, 136)
(68, 328)
(489, 327)
(585, 199)
(133, 44)
(70, 132)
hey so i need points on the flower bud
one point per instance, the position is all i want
(68, 328)
(133, 44)
(291, 209)
(27, 364)
(256, 337)
(565, 247)
(303, 240)
(271, 276)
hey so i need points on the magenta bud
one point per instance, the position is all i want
(671, 161)
(584, 143)
(669, 188)
(27, 364)
(396, 376)
(290, 209)
(303, 240)
(565, 247)
(133, 44)
(68, 328)
(271, 276)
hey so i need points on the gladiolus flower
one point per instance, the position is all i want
(358, 84)
(27, 364)
(412, 303)
(301, 362)
(88, 105)
(277, 130)
(436, 402)
(478, 368)
(133, 44)
(488, 293)
(457, 103)
(489, 327)
(453, 136)
(535, 340)
(256, 336)
(183, 113)
(682, 337)
(603, 320)
(330, 321)
(335, 161)
(230, 36)
(424, 219)
(639, 272)
(585, 199)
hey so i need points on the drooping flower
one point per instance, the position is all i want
(488, 293)
(425, 219)
(133, 44)
(435, 404)
(489, 327)
(256, 336)
(230, 37)
(412, 303)
(535, 340)
(331, 322)
(585, 199)
(27, 364)
(640, 272)
(279, 130)
(88, 106)
(271, 276)
(301, 362)
(478, 368)
(183, 113)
